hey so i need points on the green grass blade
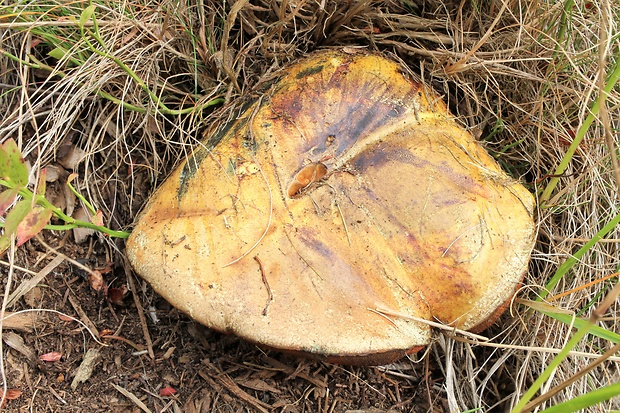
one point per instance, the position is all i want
(554, 364)
(590, 399)
(568, 264)
(581, 133)
(568, 319)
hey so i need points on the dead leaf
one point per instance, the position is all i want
(167, 392)
(33, 223)
(11, 394)
(97, 219)
(73, 157)
(85, 370)
(81, 234)
(51, 357)
(116, 295)
(63, 317)
(16, 342)
(107, 268)
(33, 297)
(96, 280)
(53, 173)
(69, 200)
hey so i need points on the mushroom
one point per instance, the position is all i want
(337, 212)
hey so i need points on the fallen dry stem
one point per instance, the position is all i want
(604, 43)
(531, 349)
(138, 304)
(443, 327)
(47, 310)
(582, 287)
(132, 397)
(21, 322)
(608, 356)
(27, 285)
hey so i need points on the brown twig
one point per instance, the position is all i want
(291, 371)
(232, 387)
(221, 379)
(136, 300)
(124, 340)
(580, 374)
(83, 317)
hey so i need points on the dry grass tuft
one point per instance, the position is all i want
(524, 76)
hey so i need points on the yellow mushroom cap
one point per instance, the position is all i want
(342, 196)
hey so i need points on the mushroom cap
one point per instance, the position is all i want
(335, 212)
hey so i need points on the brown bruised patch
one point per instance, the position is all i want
(386, 152)
(336, 102)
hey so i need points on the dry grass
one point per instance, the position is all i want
(522, 75)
